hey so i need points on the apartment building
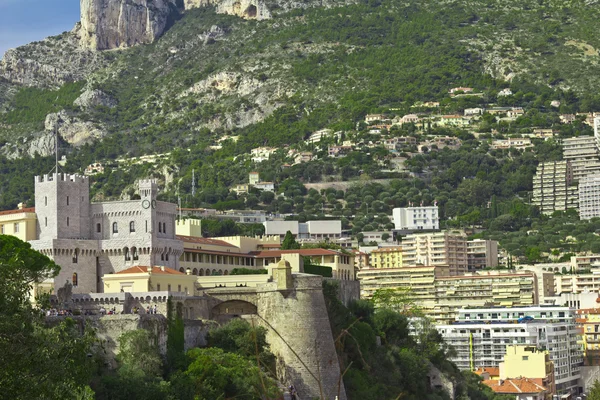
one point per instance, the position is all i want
(582, 152)
(552, 187)
(480, 338)
(386, 257)
(439, 248)
(416, 218)
(481, 254)
(589, 196)
(577, 283)
(439, 295)
(588, 322)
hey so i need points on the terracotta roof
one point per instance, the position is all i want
(23, 210)
(199, 240)
(275, 245)
(224, 253)
(493, 371)
(155, 270)
(303, 252)
(515, 386)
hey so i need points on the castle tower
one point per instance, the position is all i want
(62, 205)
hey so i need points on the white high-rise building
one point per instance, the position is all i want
(480, 337)
(416, 218)
(589, 197)
(597, 130)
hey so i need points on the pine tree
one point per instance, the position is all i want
(289, 243)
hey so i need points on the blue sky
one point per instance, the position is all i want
(24, 21)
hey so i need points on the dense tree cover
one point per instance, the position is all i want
(399, 367)
(226, 369)
(38, 360)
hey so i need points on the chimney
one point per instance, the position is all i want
(188, 271)
(149, 269)
(20, 206)
(162, 268)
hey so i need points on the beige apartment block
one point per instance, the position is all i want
(386, 257)
(439, 248)
(440, 295)
(481, 254)
(552, 187)
(583, 155)
(589, 196)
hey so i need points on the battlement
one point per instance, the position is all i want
(46, 178)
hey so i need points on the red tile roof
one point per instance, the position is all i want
(199, 240)
(515, 386)
(155, 270)
(23, 210)
(303, 252)
(493, 371)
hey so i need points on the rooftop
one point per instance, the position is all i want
(155, 270)
(514, 386)
(303, 252)
(18, 211)
(200, 240)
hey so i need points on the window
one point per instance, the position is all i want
(2, 229)
(132, 226)
(17, 227)
(146, 226)
(45, 221)
(167, 257)
(169, 288)
(159, 227)
(158, 287)
(98, 228)
(162, 257)
(525, 358)
(75, 256)
(67, 200)
(126, 253)
(164, 227)
(134, 254)
(75, 280)
(115, 228)
(179, 288)
(46, 200)
(67, 221)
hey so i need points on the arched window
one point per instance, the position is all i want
(167, 257)
(132, 226)
(75, 256)
(115, 227)
(162, 257)
(75, 280)
(134, 254)
(126, 253)
(201, 272)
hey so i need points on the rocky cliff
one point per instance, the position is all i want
(110, 24)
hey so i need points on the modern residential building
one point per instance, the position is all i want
(589, 196)
(597, 130)
(439, 295)
(21, 223)
(439, 248)
(583, 154)
(481, 254)
(90, 240)
(386, 257)
(416, 218)
(552, 187)
(315, 230)
(577, 283)
(480, 337)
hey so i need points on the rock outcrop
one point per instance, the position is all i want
(51, 62)
(94, 98)
(111, 24)
(248, 9)
(73, 130)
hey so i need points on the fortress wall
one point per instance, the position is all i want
(348, 291)
(299, 334)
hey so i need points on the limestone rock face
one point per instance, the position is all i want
(248, 9)
(111, 24)
(73, 130)
(94, 98)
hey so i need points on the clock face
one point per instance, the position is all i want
(146, 203)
